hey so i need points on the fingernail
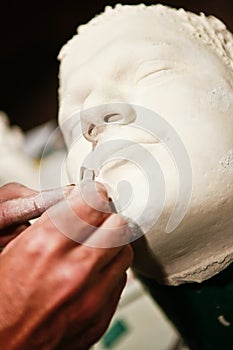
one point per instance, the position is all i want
(112, 205)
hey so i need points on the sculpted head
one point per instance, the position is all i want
(180, 66)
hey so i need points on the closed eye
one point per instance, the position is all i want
(156, 73)
(152, 68)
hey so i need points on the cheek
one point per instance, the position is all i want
(175, 99)
(204, 131)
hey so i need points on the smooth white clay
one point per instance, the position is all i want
(179, 65)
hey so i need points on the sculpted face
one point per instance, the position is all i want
(159, 59)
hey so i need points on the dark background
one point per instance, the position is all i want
(31, 36)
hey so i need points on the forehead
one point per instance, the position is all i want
(126, 36)
(119, 44)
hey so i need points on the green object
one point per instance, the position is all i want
(201, 312)
(114, 334)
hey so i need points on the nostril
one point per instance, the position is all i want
(92, 130)
(112, 118)
(91, 133)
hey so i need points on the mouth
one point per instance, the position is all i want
(115, 147)
(116, 154)
(128, 132)
(102, 154)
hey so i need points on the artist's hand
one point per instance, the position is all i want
(56, 293)
(7, 192)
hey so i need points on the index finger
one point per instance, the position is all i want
(69, 222)
(23, 208)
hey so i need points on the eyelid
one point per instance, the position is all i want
(152, 73)
(152, 67)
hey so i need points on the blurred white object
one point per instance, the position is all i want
(45, 144)
(15, 165)
(44, 138)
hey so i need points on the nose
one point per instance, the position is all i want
(99, 112)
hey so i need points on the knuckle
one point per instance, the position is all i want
(41, 243)
(35, 245)
(66, 276)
